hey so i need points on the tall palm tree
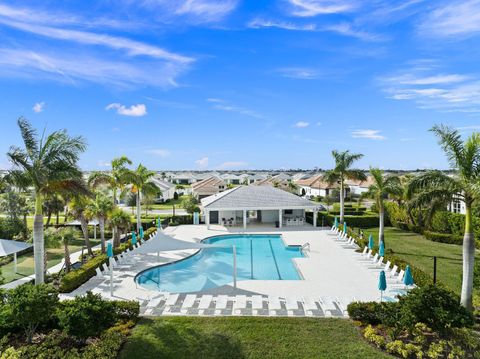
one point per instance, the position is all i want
(78, 209)
(464, 158)
(48, 165)
(120, 221)
(101, 208)
(343, 171)
(116, 179)
(141, 185)
(382, 187)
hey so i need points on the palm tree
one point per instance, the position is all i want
(343, 171)
(382, 187)
(100, 208)
(77, 208)
(116, 179)
(48, 165)
(464, 158)
(120, 221)
(141, 185)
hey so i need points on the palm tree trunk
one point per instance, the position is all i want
(84, 225)
(468, 260)
(139, 214)
(68, 264)
(101, 222)
(381, 229)
(25, 227)
(57, 220)
(116, 238)
(342, 200)
(38, 241)
(49, 217)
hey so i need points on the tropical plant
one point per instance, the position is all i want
(464, 158)
(190, 204)
(343, 171)
(48, 165)
(120, 221)
(78, 209)
(141, 185)
(55, 238)
(101, 208)
(382, 187)
(292, 187)
(116, 179)
(53, 204)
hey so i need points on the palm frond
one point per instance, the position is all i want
(451, 142)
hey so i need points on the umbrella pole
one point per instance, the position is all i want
(15, 262)
(381, 296)
(234, 267)
(111, 278)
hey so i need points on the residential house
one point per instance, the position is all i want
(315, 186)
(208, 187)
(167, 188)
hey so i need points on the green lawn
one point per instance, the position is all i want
(25, 262)
(247, 337)
(418, 251)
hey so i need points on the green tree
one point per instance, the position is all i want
(343, 171)
(101, 208)
(64, 236)
(190, 204)
(120, 221)
(382, 187)
(78, 209)
(116, 179)
(464, 158)
(48, 165)
(141, 185)
(32, 306)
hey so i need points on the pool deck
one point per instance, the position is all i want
(329, 269)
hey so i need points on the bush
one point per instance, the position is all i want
(32, 306)
(373, 313)
(443, 237)
(437, 307)
(368, 220)
(76, 278)
(86, 316)
(126, 310)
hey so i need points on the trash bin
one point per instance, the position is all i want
(277, 224)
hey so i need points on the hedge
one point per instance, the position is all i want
(369, 220)
(446, 238)
(77, 277)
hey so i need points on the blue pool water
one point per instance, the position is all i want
(258, 257)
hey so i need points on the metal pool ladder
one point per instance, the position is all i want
(305, 246)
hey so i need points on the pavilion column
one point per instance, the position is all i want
(280, 218)
(207, 219)
(244, 219)
(315, 218)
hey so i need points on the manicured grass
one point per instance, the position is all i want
(25, 264)
(418, 251)
(247, 337)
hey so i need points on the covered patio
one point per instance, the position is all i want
(253, 205)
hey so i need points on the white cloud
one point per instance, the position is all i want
(318, 123)
(261, 23)
(301, 73)
(347, 29)
(301, 124)
(159, 152)
(458, 18)
(102, 163)
(307, 8)
(202, 162)
(206, 10)
(232, 164)
(38, 107)
(134, 110)
(369, 134)
(219, 104)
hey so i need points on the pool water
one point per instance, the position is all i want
(259, 257)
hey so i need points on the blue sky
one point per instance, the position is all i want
(204, 84)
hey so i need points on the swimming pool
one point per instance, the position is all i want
(259, 257)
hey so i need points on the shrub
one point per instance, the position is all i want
(371, 335)
(86, 316)
(126, 310)
(373, 313)
(437, 307)
(32, 306)
(107, 347)
(443, 237)
(368, 220)
(76, 278)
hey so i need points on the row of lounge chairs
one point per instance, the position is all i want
(256, 305)
(374, 261)
(123, 259)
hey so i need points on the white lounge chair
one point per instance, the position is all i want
(188, 303)
(170, 303)
(328, 306)
(240, 304)
(204, 303)
(221, 303)
(343, 304)
(99, 272)
(153, 303)
(257, 304)
(364, 251)
(291, 304)
(393, 272)
(387, 266)
(309, 306)
(274, 305)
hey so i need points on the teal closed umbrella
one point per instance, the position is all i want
(345, 227)
(381, 250)
(159, 223)
(371, 244)
(382, 283)
(109, 250)
(110, 256)
(335, 224)
(141, 233)
(408, 278)
(134, 238)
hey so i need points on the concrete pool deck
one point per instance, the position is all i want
(329, 269)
